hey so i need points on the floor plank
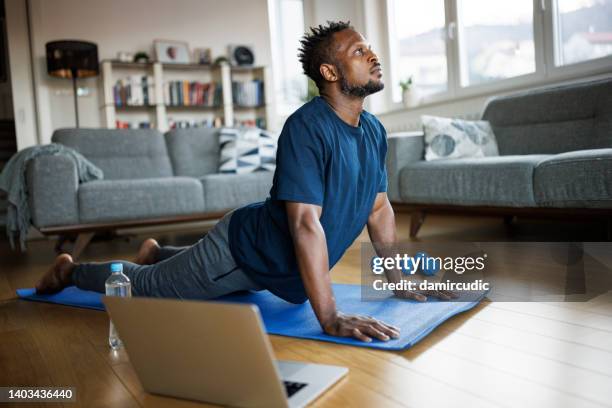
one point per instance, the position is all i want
(565, 352)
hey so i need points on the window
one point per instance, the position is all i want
(287, 27)
(495, 40)
(418, 45)
(464, 48)
(583, 30)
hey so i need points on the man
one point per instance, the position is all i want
(329, 183)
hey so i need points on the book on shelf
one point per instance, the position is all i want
(184, 124)
(257, 122)
(248, 93)
(122, 124)
(134, 90)
(192, 93)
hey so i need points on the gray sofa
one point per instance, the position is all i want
(149, 179)
(555, 147)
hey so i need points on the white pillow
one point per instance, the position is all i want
(447, 138)
(246, 150)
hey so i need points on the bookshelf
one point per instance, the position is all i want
(239, 94)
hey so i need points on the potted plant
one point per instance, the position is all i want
(410, 95)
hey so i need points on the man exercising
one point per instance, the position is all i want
(330, 182)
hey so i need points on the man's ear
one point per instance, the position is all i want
(329, 72)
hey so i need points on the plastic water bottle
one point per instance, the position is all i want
(117, 284)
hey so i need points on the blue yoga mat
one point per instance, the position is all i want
(415, 319)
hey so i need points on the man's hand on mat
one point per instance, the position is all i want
(363, 328)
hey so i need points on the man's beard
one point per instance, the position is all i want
(360, 91)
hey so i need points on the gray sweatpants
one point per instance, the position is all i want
(205, 270)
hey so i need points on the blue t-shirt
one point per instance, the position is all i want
(320, 160)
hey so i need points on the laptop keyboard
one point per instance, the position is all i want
(293, 387)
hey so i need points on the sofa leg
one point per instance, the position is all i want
(416, 220)
(609, 229)
(59, 244)
(81, 243)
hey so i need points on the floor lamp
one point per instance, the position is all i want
(72, 59)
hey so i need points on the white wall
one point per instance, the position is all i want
(319, 11)
(120, 25)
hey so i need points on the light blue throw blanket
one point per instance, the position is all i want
(13, 182)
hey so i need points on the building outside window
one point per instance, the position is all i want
(583, 30)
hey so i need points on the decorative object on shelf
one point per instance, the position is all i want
(72, 59)
(202, 56)
(220, 60)
(141, 57)
(410, 95)
(241, 55)
(171, 52)
(125, 56)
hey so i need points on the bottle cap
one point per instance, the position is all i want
(116, 267)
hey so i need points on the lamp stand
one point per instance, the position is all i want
(74, 89)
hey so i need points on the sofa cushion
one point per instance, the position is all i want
(120, 153)
(193, 152)
(448, 138)
(246, 150)
(553, 120)
(488, 181)
(225, 191)
(580, 179)
(122, 200)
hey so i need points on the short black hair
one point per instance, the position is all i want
(316, 50)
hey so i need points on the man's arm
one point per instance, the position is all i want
(311, 252)
(383, 234)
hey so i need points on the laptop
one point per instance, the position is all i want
(214, 352)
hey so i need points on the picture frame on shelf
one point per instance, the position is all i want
(202, 56)
(171, 52)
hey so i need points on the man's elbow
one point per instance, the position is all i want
(305, 225)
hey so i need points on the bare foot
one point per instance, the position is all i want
(57, 277)
(147, 252)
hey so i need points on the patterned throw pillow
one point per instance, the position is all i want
(447, 138)
(246, 150)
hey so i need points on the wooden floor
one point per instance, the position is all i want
(497, 354)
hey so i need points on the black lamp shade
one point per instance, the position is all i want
(68, 59)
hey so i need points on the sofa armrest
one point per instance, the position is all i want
(52, 191)
(403, 148)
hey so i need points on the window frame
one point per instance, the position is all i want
(283, 109)
(546, 69)
(392, 54)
